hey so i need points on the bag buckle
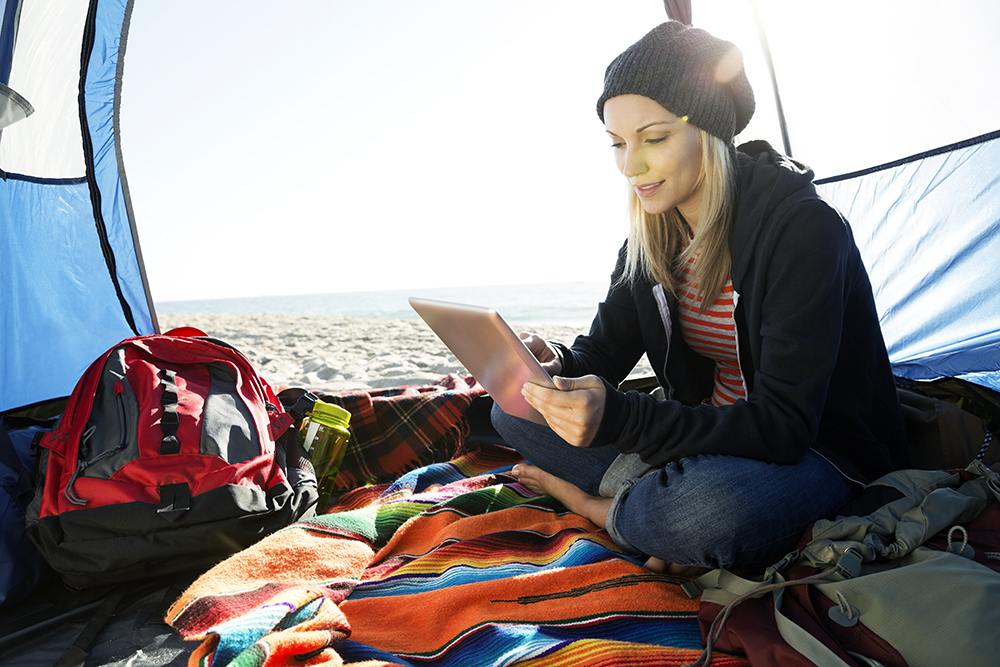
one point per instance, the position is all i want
(786, 562)
(849, 564)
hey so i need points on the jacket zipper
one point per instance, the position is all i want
(736, 331)
(664, 307)
(836, 467)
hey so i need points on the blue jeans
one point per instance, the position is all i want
(707, 510)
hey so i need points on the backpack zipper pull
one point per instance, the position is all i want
(122, 417)
(82, 462)
(81, 465)
(84, 446)
(70, 495)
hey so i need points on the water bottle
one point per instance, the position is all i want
(325, 432)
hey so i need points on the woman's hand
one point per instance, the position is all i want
(574, 410)
(543, 351)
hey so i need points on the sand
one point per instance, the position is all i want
(332, 353)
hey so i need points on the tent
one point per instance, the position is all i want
(892, 109)
(70, 266)
(919, 185)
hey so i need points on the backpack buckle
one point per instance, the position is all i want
(303, 404)
(849, 564)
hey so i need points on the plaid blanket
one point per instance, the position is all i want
(396, 430)
(453, 564)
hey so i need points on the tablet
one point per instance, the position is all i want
(488, 349)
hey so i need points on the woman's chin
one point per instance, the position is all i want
(653, 208)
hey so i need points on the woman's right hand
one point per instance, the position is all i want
(574, 409)
(543, 351)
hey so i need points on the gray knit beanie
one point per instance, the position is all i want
(689, 73)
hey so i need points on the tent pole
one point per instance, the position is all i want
(774, 81)
(678, 10)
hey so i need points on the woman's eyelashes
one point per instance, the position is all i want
(650, 140)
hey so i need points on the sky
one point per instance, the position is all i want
(318, 146)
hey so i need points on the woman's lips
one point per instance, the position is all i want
(647, 190)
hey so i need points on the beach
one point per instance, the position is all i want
(338, 353)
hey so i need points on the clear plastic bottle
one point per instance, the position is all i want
(325, 433)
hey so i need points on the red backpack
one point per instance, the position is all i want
(172, 454)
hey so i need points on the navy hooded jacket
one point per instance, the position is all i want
(810, 347)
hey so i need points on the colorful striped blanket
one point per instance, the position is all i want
(453, 564)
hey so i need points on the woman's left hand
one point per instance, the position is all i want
(573, 410)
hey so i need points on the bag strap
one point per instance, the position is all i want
(800, 639)
(727, 589)
(169, 419)
(722, 586)
(78, 652)
(792, 633)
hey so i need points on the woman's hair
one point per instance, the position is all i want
(655, 240)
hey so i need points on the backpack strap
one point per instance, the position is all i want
(169, 420)
(77, 653)
(724, 588)
(800, 639)
(175, 500)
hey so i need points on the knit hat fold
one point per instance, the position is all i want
(690, 73)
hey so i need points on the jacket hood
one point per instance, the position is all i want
(769, 184)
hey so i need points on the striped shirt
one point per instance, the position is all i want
(712, 334)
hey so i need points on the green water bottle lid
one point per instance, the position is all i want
(331, 413)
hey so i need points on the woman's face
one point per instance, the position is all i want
(659, 154)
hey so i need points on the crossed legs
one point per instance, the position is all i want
(702, 511)
(594, 508)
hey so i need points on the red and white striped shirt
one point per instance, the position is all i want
(712, 334)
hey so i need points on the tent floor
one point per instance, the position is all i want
(45, 626)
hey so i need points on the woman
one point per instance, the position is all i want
(747, 293)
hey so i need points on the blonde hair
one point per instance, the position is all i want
(654, 240)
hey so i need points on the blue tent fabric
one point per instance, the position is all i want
(929, 230)
(72, 281)
(60, 311)
(102, 96)
(70, 268)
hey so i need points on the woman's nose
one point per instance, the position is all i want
(632, 163)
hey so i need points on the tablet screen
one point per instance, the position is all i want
(489, 349)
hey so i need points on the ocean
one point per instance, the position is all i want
(564, 304)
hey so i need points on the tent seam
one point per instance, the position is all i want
(89, 33)
(981, 139)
